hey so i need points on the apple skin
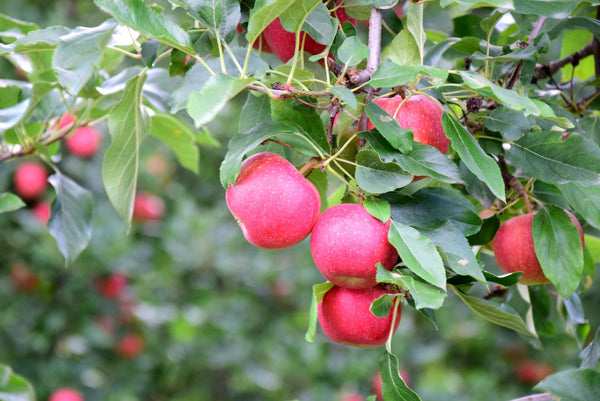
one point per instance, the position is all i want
(283, 43)
(112, 286)
(530, 372)
(422, 115)
(66, 394)
(30, 180)
(41, 211)
(347, 243)
(130, 346)
(258, 42)
(514, 249)
(147, 207)
(84, 142)
(345, 317)
(275, 206)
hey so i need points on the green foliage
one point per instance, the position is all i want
(161, 77)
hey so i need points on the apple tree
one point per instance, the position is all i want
(467, 131)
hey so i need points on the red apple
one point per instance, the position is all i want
(283, 43)
(422, 115)
(66, 394)
(530, 372)
(147, 207)
(65, 119)
(341, 15)
(275, 206)
(130, 346)
(112, 286)
(30, 180)
(23, 279)
(345, 317)
(41, 211)
(377, 382)
(514, 250)
(347, 243)
(84, 142)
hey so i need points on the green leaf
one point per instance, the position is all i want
(10, 202)
(70, 217)
(78, 54)
(135, 14)
(414, 24)
(590, 356)
(378, 208)
(265, 11)
(585, 200)
(558, 9)
(423, 295)
(403, 49)
(14, 387)
(319, 25)
(353, 51)
(345, 95)
(221, 15)
(302, 116)
(389, 127)
(573, 385)
(418, 253)
(179, 136)
(255, 110)
(127, 123)
(469, 4)
(391, 74)
(558, 248)
(511, 124)
(8, 23)
(377, 177)
(11, 116)
(318, 292)
(203, 106)
(505, 317)
(381, 306)
(40, 40)
(393, 387)
(456, 250)
(473, 156)
(506, 280)
(556, 160)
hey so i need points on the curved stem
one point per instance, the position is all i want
(388, 343)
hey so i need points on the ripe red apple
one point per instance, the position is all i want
(340, 14)
(84, 142)
(347, 243)
(112, 286)
(147, 207)
(352, 396)
(422, 115)
(65, 119)
(530, 372)
(514, 250)
(23, 279)
(41, 211)
(259, 44)
(66, 394)
(345, 317)
(30, 180)
(283, 43)
(130, 346)
(275, 206)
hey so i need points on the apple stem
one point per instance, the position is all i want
(310, 165)
(513, 182)
(388, 343)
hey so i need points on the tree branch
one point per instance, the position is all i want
(46, 140)
(512, 181)
(535, 31)
(545, 70)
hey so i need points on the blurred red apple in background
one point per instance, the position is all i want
(347, 243)
(345, 316)
(84, 142)
(530, 372)
(275, 206)
(41, 211)
(147, 207)
(66, 394)
(130, 346)
(30, 180)
(112, 286)
(23, 279)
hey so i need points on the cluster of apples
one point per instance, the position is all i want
(276, 207)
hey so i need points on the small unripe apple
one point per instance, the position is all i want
(84, 142)
(421, 114)
(130, 346)
(345, 316)
(347, 243)
(66, 394)
(30, 180)
(514, 249)
(23, 279)
(530, 372)
(147, 207)
(41, 211)
(275, 206)
(112, 286)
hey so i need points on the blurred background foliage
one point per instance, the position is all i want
(219, 319)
